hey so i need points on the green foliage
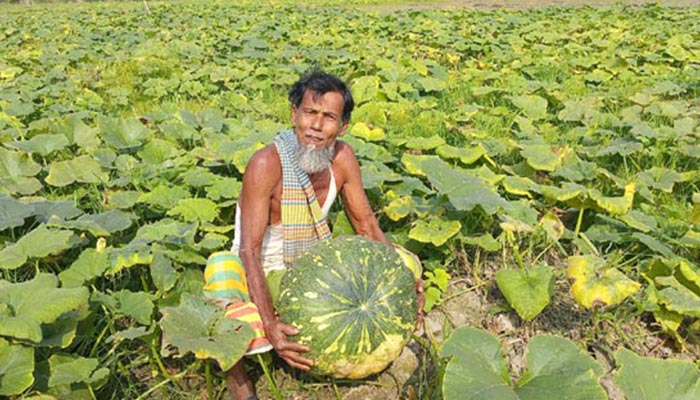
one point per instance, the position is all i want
(478, 369)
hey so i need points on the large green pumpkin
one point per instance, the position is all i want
(354, 304)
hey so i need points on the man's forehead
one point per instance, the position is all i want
(315, 96)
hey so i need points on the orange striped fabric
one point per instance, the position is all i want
(226, 285)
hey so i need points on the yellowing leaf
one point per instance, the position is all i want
(596, 283)
(363, 131)
(436, 231)
(615, 205)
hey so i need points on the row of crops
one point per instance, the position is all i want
(521, 136)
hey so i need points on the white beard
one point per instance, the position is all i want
(313, 160)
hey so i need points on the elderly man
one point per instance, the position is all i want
(288, 189)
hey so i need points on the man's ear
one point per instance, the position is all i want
(343, 128)
(293, 114)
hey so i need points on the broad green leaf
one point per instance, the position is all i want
(654, 244)
(128, 256)
(43, 144)
(596, 283)
(414, 163)
(163, 274)
(464, 190)
(542, 157)
(680, 300)
(477, 369)
(177, 130)
(16, 367)
(17, 171)
(103, 224)
(224, 188)
(639, 220)
(13, 212)
(364, 89)
(421, 143)
(436, 231)
(199, 177)
(363, 131)
(342, 225)
(38, 243)
(567, 192)
(164, 197)
(532, 106)
(659, 178)
(467, 155)
(138, 305)
(77, 132)
(89, 265)
(122, 199)
(158, 151)
(528, 290)
(70, 368)
(62, 332)
(122, 133)
(36, 302)
(485, 241)
(200, 327)
(431, 84)
(557, 369)
(656, 379)
(520, 186)
(192, 210)
(166, 230)
(577, 171)
(82, 169)
(46, 209)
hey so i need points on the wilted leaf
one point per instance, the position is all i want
(16, 367)
(36, 302)
(597, 283)
(528, 290)
(650, 378)
(200, 327)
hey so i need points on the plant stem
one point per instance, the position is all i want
(207, 375)
(273, 387)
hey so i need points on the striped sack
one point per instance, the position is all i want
(302, 220)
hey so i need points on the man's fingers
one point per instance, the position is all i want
(296, 360)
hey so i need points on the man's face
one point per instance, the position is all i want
(317, 120)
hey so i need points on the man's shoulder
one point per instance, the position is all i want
(265, 160)
(343, 152)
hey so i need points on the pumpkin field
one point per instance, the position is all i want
(544, 164)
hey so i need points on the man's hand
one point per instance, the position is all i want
(288, 350)
(421, 302)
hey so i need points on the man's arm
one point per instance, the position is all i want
(357, 206)
(359, 211)
(262, 174)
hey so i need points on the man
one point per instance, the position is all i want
(291, 184)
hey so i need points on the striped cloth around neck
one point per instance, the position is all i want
(302, 220)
